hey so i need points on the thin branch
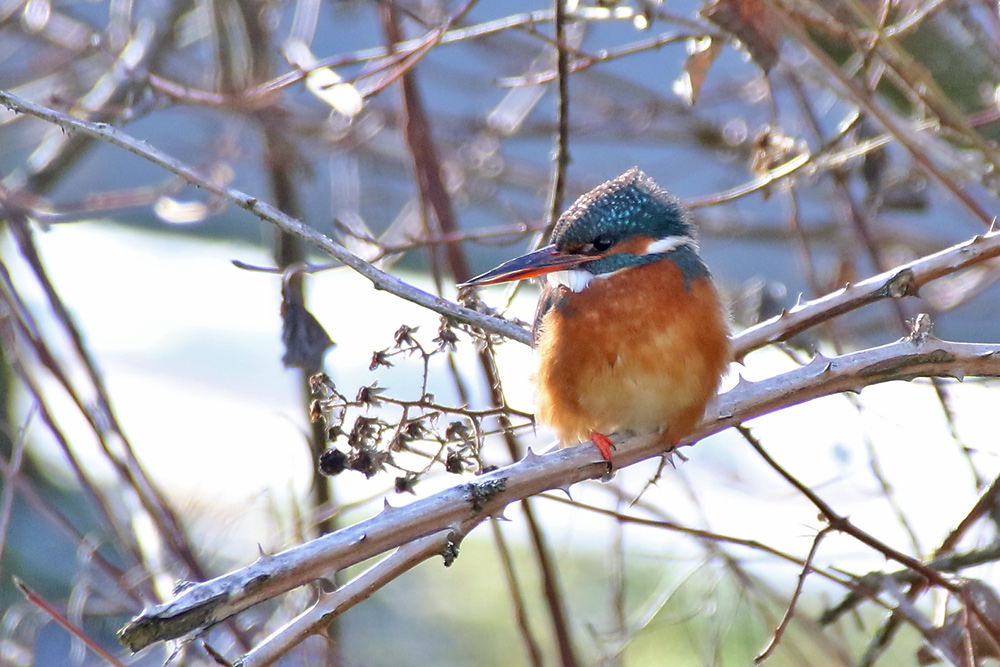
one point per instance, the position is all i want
(434, 196)
(986, 502)
(10, 472)
(943, 560)
(121, 458)
(45, 508)
(380, 279)
(844, 525)
(560, 160)
(69, 626)
(786, 619)
(524, 626)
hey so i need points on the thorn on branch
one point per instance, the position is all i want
(218, 657)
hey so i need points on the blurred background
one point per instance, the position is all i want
(157, 343)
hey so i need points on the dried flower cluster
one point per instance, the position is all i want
(369, 432)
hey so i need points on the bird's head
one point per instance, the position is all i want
(625, 222)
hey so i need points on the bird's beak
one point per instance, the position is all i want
(542, 261)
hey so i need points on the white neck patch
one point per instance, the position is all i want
(668, 243)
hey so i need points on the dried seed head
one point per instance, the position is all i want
(403, 337)
(405, 483)
(454, 463)
(446, 338)
(332, 462)
(320, 383)
(457, 430)
(368, 461)
(379, 358)
(414, 430)
(364, 430)
(368, 396)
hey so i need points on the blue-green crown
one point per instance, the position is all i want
(623, 208)
(628, 206)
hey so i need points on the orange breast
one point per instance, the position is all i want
(635, 351)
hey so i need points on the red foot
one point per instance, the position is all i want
(603, 443)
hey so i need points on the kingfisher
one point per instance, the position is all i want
(630, 333)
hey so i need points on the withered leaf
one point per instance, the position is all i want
(750, 22)
(701, 54)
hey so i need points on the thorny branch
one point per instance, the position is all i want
(898, 282)
(267, 213)
(201, 605)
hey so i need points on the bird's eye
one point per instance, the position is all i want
(602, 243)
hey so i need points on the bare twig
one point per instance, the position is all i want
(10, 472)
(269, 213)
(70, 627)
(844, 524)
(560, 161)
(517, 599)
(790, 611)
(896, 129)
(986, 502)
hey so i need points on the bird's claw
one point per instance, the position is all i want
(604, 445)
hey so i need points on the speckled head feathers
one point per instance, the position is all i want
(630, 205)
